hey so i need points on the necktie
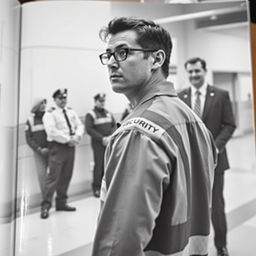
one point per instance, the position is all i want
(68, 122)
(197, 106)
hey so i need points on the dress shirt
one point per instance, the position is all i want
(57, 128)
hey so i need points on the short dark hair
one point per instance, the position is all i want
(150, 35)
(195, 60)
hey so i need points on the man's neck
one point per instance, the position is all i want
(99, 108)
(149, 86)
(204, 85)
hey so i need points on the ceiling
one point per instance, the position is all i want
(232, 21)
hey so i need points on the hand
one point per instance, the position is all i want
(77, 138)
(72, 142)
(105, 140)
(44, 151)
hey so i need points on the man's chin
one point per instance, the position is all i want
(196, 84)
(117, 88)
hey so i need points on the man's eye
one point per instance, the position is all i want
(121, 52)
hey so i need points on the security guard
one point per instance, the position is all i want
(100, 124)
(64, 130)
(36, 139)
(159, 164)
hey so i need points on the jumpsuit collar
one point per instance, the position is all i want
(160, 89)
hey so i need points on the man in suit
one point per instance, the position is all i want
(213, 105)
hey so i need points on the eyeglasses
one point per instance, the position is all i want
(62, 98)
(120, 54)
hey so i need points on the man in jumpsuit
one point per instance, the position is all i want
(100, 124)
(215, 110)
(36, 139)
(159, 164)
(64, 130)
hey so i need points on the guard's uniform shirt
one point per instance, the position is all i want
(56, 125)
(156, 190)
(35, 132)
(99, 123)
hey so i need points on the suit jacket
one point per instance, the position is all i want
(218, 118)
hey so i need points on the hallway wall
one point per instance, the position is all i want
(9, 60)
(62, 51)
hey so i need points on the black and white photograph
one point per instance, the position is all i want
(127, 128)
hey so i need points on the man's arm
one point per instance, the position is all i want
(79, 127)
(228, 125)
(136, 176)
(29, 137)
(52, 132)
(90, 128)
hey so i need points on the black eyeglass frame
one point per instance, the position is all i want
(108, 54)
(61, 97)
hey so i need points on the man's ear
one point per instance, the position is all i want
(159, 58)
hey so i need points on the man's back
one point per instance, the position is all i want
(159, 173)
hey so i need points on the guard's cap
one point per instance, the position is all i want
(36, 103)
(100, 96)
(60, 92)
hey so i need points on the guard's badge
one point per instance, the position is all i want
(143, 125)
(51, 109)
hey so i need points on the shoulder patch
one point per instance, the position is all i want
(69, 108)
(30, 120)
(143, 125)
(92, 113)
(51, 109)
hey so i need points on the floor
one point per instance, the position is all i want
(71, 234)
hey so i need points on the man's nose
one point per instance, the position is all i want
(112, 63)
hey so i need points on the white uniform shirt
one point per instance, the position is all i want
(57, 128)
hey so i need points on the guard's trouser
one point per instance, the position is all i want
(98, 170)
(41, 163)
(218, 211)
(61, 163)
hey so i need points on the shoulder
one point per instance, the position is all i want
(49, 114)
(219, 92)
(91, 113)
(108, 112)
(183, 92)
(51, 110)
(30, 120)
(31, 117)
(217, 89)
(143, 125)
(71, 110)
